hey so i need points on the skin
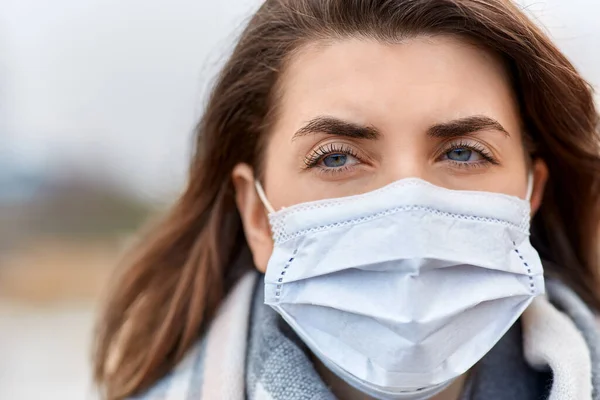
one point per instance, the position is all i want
(437, 108)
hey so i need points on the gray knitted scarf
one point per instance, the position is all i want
(250, 353)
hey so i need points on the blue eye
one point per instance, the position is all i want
(460, 154)
(463, 154)
(332, 157)
(335, 160)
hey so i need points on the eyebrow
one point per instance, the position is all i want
(444, 130)
(465, 126)
(334, 126)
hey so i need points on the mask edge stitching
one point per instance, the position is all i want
(281, 237)
(326, 203)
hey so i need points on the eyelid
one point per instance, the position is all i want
(465, 142)
(322, 150)
(471, 144)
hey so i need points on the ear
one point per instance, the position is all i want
(540, 177)
(254, 216)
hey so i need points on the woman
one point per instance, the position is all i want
(379, 161)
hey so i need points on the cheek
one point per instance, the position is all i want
(282, 173)
(513, 184)
(513, 176)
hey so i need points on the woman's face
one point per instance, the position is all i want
(355, 115)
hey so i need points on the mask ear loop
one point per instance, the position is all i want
(263, 197)
(529, 186)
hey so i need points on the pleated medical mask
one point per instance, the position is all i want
(401, 290)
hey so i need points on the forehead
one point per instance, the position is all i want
(417, 81)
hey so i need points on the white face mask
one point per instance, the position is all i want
(401, 290)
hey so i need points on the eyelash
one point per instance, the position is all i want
(488, 157)
(316, 156)
(313, 159)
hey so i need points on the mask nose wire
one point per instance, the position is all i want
(263, 197)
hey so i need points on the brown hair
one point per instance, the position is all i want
(179, 273)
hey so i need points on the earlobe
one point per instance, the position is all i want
(540, 177)
(253, 215)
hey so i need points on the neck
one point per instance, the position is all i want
(344, 391)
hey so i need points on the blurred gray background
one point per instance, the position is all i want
(98, 100)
